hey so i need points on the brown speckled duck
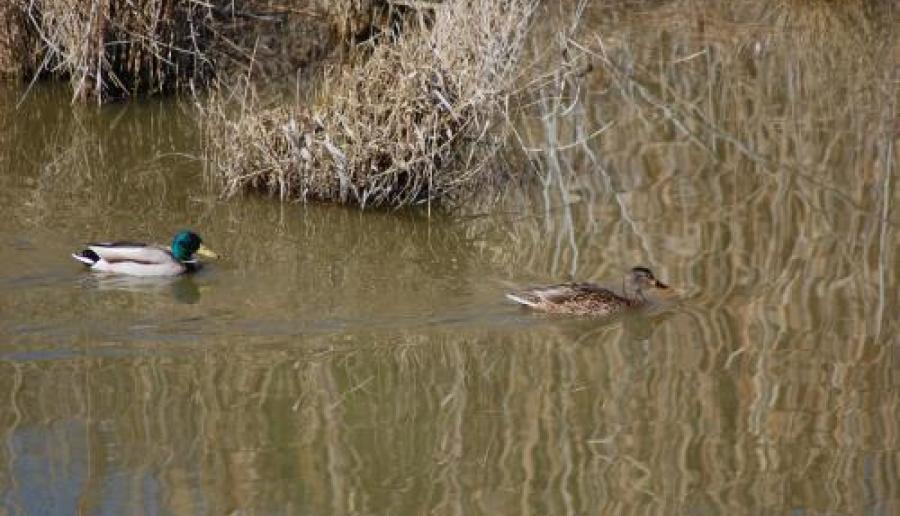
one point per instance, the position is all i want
(591, 299)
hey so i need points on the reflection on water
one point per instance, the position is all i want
(183, 289)
(344, 362)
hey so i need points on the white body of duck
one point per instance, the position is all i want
(137, 259)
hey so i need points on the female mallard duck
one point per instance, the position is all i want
(138, 259)
(591, 299)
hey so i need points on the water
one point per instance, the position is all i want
(339, 362)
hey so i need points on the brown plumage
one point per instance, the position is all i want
(591, 299)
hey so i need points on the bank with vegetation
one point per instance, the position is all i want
(409, 92)
(417, 102)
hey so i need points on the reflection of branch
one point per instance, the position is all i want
(332, 419)
(551, 118)
(882, 239)
(13, 426)
(451, 447)
(582, 140)
(677, 117)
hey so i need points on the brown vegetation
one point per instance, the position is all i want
(109, 49)
(408, 124)
(409, 116)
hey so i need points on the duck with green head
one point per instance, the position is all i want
(138, 259)
(639, 287)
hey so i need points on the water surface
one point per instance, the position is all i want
(338, 362)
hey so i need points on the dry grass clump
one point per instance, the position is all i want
(110, 49)
(116, 48)
(409, 124)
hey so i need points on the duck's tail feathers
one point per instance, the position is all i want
(520, 297)
(87, 257)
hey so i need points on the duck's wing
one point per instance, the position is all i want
(131, 252)
(562, 294)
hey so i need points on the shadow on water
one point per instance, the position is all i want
(338, 362)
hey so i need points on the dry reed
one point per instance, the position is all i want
(409, 124)
(112, 49)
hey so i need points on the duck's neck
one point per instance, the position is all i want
(634, 298)
(180, 253)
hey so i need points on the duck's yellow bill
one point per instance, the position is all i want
(206, 252)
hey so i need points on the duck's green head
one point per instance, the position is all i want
(186, 244)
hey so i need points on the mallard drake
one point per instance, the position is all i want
(591, 299)
(137, 259)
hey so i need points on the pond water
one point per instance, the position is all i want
(341, 362)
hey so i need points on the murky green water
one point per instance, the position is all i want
(337, 362)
